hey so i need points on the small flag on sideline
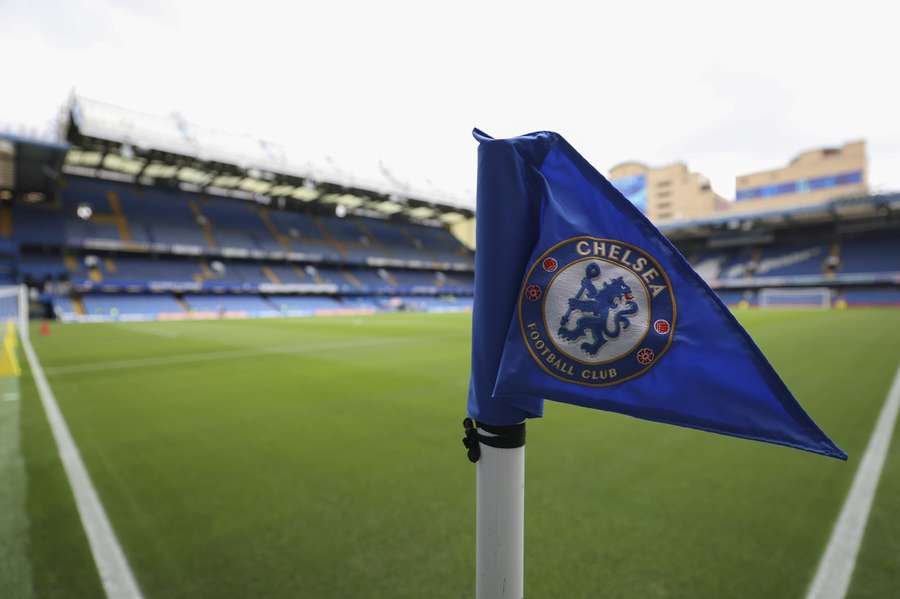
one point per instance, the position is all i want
(580, 299)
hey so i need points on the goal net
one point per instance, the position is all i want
(810, 297)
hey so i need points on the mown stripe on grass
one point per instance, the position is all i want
(115, 574)
(220, 355)
(836, 566)
(15, 568)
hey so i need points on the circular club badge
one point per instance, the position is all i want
(597, 311)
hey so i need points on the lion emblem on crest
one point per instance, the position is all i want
(604, 312)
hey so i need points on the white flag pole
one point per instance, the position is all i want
(500, 511)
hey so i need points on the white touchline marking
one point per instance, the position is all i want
(115, 573)
(836, 566)
(216, 355)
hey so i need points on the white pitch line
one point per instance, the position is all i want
(115, 573)
(836, 566)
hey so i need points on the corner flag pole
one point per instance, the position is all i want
(499, 452)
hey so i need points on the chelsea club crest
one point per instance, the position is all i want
(596, 311)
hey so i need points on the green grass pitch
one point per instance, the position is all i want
(321, 458)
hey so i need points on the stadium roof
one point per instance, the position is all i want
(145, 148)
(830, 211)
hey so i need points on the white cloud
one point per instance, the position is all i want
(729, 88)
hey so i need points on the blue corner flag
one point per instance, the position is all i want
(580, 299)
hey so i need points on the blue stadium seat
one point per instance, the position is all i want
(173, 219)
(873, 253)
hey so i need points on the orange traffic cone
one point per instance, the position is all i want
(45, 328)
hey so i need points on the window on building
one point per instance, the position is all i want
(664, 183)
(663, 194)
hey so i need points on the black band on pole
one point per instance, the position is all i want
(502, 437)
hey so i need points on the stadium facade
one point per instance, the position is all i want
(668, 192)
(674, 192)
(141, 217)
(813, 177)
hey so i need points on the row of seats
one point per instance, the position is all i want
(123, 212)
(131, 270)
(167, 305)
(873, 253)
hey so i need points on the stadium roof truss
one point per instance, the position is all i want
(114, 143)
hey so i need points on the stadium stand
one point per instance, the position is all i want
(844, 252)
(871, 253)
(178, 236)
(117, 246)
(36, 225)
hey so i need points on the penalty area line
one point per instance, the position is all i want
(115, 574)
(835, 569)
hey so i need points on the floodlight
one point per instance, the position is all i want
(349, 200)
(226, 181)
(305, 193)
(388, 207)
(83, 158)
(420, 212)
(255, 185)
(281, 190)
(192, 175)
(119, 163)
(158, 170)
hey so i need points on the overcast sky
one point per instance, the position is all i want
(728, 87)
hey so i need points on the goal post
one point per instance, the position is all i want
(806, 297)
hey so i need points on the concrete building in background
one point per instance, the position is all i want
(811, 178)
(668, 192)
